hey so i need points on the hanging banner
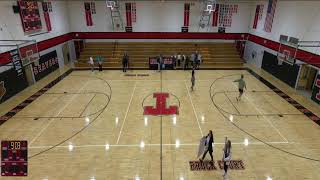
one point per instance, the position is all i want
(128, 15)
(134, 12)
(256, 17)
(30, 16)
(215, 17)
(186, 14)
(46, 15)
(88, 13)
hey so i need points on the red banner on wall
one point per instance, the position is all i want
(256, 17)
(30, 16)
(215, 16)
(186, 14)
(46, 15)
(87, 9)
(128, 15)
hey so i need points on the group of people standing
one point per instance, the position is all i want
(99, 60)
(226, 151)
(182, 61)
(185, 61)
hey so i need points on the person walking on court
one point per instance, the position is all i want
(193, 79)
(242, 85)
(91, 63)
(208, 146)
(226, 158)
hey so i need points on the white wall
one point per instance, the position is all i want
(153, 16)
(300, 19)
(11, 27)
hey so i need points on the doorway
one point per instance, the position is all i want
(306, 79)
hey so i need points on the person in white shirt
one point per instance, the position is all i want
(199, 60)
(226, 157)
(91, 63)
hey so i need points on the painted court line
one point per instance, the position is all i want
(125, 117)
(271, 124)
(60, 111)
(194, 111)
(138, 145)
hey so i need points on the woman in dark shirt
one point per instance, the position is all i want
(208, 146)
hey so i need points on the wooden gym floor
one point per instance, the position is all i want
(91, 126)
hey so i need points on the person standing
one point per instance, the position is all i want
(186, 64)
(183, 59)
(179, 59)
(241, 86)
(174, 63)
(226, 157)
(159, 60)
(99, 60)
(198, 60)
(124, 62)
(193, 79)
(208, 145)
(91, 63)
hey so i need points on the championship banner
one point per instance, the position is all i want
(30, 16)
(215, 16)
(134, 12)
(226, 12)
(87, 8)
(128, 15)
(256, 17)
(47, 64)
(316, 90)
(186, 14)
(46, 15)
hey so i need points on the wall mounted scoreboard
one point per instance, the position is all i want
(14, 158)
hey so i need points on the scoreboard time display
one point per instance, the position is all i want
(14, 158)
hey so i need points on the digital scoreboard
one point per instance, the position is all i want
(14, 158)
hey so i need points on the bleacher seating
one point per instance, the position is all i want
(213, 54)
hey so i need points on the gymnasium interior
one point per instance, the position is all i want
(132, 89)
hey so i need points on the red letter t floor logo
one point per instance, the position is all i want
(160, 109)
(318, 85)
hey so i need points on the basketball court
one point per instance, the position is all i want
(92, 125)
(102, 90)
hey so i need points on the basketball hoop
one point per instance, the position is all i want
(111, 4)
(29, 53)
(211, 6)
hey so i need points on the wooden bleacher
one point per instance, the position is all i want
(214, 55)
